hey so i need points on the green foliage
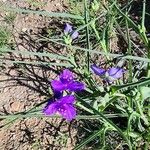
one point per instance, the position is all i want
(122, 106)
(9, 17)
(4, 36)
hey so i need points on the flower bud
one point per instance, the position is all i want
(95, 5)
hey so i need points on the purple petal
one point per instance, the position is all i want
(69, 99)
(50, 108)
(74, 35)
(66, 76)
(76, 86)
(115, 72)
(97, 70)
(68, 112)
(58, 85)
(68, 28)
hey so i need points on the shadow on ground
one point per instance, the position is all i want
(26, 86)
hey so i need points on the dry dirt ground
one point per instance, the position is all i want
(22, 87)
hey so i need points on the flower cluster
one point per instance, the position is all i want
(110, 74)
(70, 34)
(64, 105)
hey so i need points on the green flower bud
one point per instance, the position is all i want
(67, 40)
(95, 5)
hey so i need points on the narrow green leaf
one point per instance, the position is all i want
(39, 63)
(46, 54)
(90, 138)
(131, 85)
(86, 13)
(38, 114)
(43, 13)
(95, 51)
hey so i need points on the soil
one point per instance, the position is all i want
(23, 86)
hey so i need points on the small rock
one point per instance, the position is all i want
(16, 107)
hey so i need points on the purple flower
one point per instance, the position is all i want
(115, 72)
(74, 35)
(97, 70)
(68, 30)
(66, 82)
(110, 74)
(63, 106)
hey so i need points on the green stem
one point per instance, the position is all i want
(145, 37)
(94, 28)
(143, 13)
(148, 66)
(87, 33)
(141, 113)
(129, 124)
(129, 51)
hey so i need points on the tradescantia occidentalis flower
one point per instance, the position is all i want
(110, 74)
(66, 82)
(98, 71)
(63, 106)
(70, 34)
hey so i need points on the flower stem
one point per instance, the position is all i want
(87, 33)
